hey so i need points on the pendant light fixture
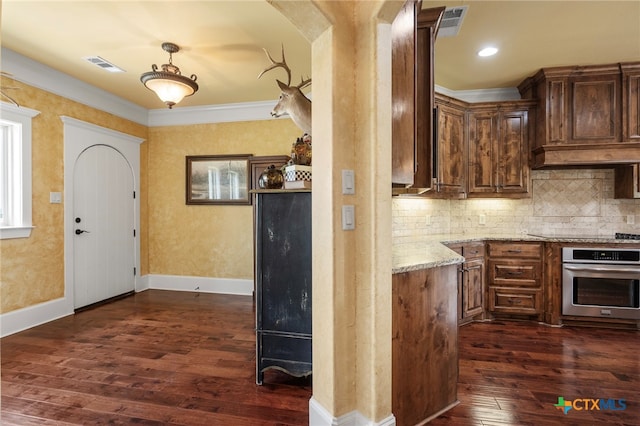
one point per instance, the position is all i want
(169, 84)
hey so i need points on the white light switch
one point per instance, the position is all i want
(55, 197)
(348, 182)
(348, 218)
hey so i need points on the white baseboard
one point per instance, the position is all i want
(201, 284)
(31, 316)
(319, 416)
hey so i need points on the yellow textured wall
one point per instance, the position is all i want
(32, 269)
(175, 239)
(204, 240)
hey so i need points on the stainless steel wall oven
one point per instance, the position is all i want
(601, 282)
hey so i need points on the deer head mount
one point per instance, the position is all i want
(292, 101)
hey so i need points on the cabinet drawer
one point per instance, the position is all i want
(468, 250)
(284, 347)
(514, 272)
(517, 250)
(473, 250)
(515, 300)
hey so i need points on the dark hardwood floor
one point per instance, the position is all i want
(512, 373)
(155, 358)
(162, 357)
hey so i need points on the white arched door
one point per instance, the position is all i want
(104, 225)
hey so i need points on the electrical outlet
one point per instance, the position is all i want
(482, 219)
(631, 219)
(428, 220)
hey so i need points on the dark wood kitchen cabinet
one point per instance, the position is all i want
(514, 279)
(424, 344)
(451, 148)
(630, 101)
(413, 34)
(627, 177)
(283, 282)
(471, 288)
(627, 181)
(586, 115)
(499, 149)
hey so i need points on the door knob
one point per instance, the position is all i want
(81, 231)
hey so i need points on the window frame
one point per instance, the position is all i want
(22, 225)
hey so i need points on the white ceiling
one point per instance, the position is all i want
(222, 42)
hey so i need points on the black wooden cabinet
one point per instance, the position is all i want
(283, 282)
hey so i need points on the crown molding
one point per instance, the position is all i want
(46, 78)
(481, 95)
(223, 113)
(43, 77)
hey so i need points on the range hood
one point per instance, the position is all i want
(591, 155)
(586, 115)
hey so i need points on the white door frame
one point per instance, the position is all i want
(78, 136)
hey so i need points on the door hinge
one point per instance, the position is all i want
(134, 271)
(134, 233)
(134, 194)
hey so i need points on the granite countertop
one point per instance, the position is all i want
(430, 254)
(433, 253)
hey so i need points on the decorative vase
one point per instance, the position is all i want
(271, 178)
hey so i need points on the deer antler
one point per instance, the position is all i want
(303, 83)
(275, 65)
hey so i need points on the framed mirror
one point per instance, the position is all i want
(218, 179)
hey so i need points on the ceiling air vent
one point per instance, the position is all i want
(452, 21)
(102, 63)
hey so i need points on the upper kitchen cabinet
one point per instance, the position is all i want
(499, 149)
(630, 102)
(413, 34)
(451, 148)
(482, 149)
(586, 115)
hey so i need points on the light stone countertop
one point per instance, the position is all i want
(432, 252)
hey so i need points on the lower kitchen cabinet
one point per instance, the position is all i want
(283, 282)
(424, 344)
(471, 280)
(515, 279)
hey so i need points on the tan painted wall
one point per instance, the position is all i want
(32, 269)
(210, 240)
(176, 239)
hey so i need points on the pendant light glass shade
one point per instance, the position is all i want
(169, 84)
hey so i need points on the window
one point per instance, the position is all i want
(15, 171)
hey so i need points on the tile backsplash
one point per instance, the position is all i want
(563, 202)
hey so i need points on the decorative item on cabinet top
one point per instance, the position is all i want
(271, 178)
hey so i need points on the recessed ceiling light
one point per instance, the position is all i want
(488, 51)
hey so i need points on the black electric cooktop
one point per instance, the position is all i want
(617, 236)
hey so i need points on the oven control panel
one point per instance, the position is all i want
(595, 255)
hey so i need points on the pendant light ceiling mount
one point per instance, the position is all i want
(169, 83)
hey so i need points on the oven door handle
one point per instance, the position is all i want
(597, 269)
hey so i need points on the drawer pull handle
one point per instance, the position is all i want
(514, 251)
(515, 272)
